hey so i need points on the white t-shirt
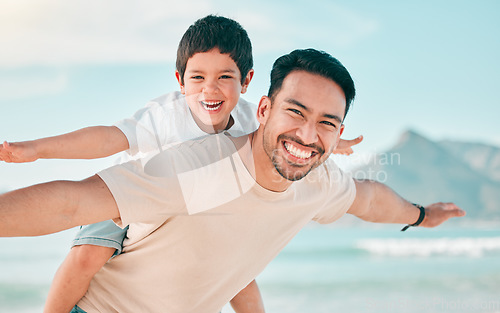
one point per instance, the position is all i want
(220, 228)
(167, 121)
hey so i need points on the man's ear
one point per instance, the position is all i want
(179, 80)
(263, 110)
(247, 81)
(342, 126)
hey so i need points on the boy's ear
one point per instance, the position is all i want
(247, 81)
(179, 80)
(263, 110)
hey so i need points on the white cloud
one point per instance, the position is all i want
(56, 32)
(302, 24)
(53, 32)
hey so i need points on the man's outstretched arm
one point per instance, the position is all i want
(375, 202)
(55, 206)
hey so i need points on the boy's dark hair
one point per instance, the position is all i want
(216, 32)
(315, 62)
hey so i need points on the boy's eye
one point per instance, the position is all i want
(226, 77)
(197, 77)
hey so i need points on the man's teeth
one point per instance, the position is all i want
(297, 152)
(211, 105)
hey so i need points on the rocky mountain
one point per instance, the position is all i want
(481, 157)
(424, 171)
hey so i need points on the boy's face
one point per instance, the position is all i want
(212, 85)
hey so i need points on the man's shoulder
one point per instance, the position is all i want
(191, 154)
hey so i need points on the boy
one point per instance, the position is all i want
(214, 65)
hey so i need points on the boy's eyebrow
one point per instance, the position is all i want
(229, 70)
(297, 103)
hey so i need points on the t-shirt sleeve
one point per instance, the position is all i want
(142, 198)
(143, 129)
(340, 195)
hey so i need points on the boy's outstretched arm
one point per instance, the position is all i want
(86, 143)
(345, 146)
(55, 206)
(248, 300)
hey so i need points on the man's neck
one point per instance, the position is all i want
(264, 173)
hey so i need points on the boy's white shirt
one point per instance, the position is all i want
(167, 121)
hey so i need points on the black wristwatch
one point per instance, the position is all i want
(420, 217)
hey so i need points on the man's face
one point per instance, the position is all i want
(304, 123)
(212, 85)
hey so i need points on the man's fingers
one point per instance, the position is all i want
(454, 210)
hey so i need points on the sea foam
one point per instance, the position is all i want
(470, 247)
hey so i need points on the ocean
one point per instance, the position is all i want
(324, 269)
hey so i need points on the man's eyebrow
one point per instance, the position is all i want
(329, 116)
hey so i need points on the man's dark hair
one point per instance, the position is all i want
(315, 62)
(216, 32)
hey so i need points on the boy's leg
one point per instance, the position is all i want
(73, 277)
(93, 246)
(248, 300)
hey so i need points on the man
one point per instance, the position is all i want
(224, 207)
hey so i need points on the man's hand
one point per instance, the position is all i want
(438, 213)
(345, 146)
(18, 152)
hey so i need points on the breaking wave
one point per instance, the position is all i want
(470, 247)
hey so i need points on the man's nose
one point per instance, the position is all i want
(307, 133)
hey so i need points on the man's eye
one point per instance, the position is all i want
(295, 111)
(329, 124)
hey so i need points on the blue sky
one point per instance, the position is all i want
(431, 66)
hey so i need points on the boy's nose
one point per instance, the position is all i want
(307, 133)
(210, 86)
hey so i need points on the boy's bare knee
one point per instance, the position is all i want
(88, 259)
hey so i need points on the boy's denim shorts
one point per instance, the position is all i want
(76, 309)
(104, 234)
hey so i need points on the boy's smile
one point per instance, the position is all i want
(212, 106)
(212, 85)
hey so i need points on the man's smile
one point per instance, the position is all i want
(298, 153)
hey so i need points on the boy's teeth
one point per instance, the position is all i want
(297, 152)
(211, 105)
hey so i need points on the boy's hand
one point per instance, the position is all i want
(345, 146)
(18, 152)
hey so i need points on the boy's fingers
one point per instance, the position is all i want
(357, 140)
(7, 146)
(354, 141)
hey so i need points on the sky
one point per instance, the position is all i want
(430, 66)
